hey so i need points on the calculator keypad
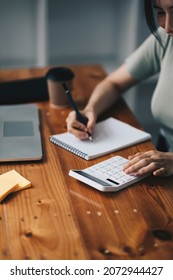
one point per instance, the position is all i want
(112, 170)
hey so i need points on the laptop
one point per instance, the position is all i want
(20, 138)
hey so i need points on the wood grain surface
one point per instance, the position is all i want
(62, 218)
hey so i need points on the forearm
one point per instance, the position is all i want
(104, 95)
(109, 90)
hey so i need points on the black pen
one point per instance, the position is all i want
(80, 118)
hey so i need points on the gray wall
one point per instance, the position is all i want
(18, 33)
(35, 32)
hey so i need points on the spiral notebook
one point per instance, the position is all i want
(109, 135)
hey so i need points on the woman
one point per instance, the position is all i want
(154, 56)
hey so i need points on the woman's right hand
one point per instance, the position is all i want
(77, 128)
(104, 95)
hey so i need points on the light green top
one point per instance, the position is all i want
(149, 59)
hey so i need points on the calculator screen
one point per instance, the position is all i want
(92, 178)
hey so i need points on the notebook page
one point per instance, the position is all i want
(109, 135)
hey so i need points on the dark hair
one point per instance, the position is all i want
(149, 14)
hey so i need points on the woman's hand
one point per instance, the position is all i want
(158, 163)
(77, 128)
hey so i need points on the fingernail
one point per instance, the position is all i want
(126, 171)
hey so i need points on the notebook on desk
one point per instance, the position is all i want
(109, 135)
(20, 138)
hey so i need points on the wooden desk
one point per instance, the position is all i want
(61, 218)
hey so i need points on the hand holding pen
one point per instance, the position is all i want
(81, 118)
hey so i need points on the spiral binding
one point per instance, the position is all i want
(68, 148)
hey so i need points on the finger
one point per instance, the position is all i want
(146, 169)
(160, 172)
(135, 155)
(90, 125)
(77, 128)
(152, 167)
(72, 115)
(91, 121)
(80, 134)
(132, 160)
(136, 165)
(73, 123)
(141, 156)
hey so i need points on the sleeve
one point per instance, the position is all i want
(145, 61)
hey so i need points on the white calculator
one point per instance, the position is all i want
(106, 176)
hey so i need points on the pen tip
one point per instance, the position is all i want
(90, 138)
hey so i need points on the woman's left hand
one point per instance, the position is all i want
(158, 163)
